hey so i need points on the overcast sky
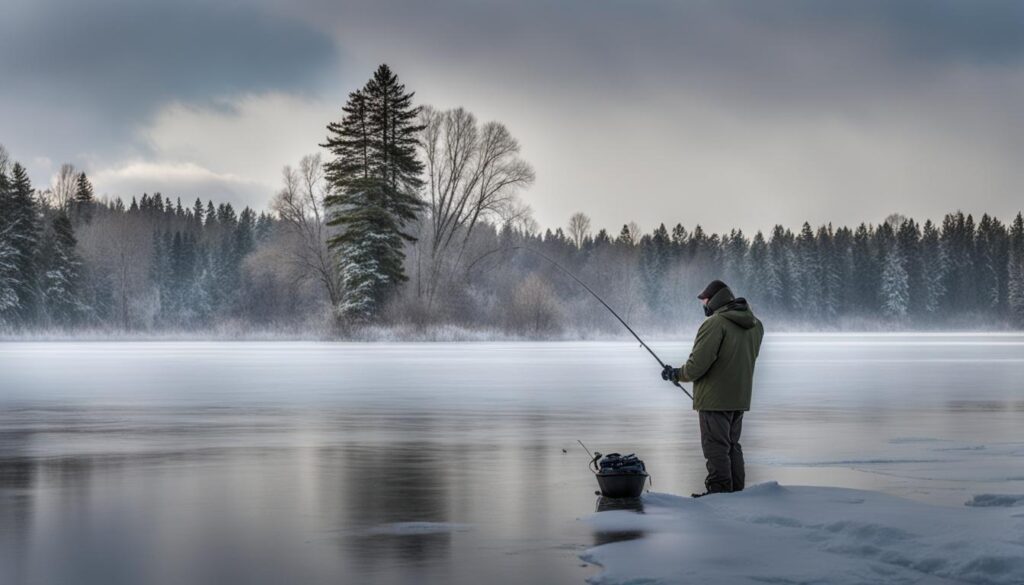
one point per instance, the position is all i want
(728, 114)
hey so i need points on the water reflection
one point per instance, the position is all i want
(606, 504)
(17, 477)
(384, 484)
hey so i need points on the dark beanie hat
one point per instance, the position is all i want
(710, 290)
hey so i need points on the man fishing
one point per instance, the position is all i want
(721, 367)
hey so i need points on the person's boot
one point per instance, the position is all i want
(708, 492)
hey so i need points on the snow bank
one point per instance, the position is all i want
(775, 534)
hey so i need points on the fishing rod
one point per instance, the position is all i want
(611, 310)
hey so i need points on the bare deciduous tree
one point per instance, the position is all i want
(519, 216)
(64, 186)
(473, 173)
(118, 247)
(128, 277)
(579, 228)
(300, 205)
(534, 307)
(5, 160)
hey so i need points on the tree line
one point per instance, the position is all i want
(897, 274)
(414, 220)
(77, 262)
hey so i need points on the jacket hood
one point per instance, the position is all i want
(738, 311)
(720, 299)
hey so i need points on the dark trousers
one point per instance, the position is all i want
(720, 441)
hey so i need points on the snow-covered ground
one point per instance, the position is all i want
(772, 533)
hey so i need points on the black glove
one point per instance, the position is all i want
(670, 374)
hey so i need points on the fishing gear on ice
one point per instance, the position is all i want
(618, 476)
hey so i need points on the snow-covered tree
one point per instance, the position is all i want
(933, 267)
(908, 235)
(8, 253)
(363, 277)
(8, 257)
(842, 257)
(991, 262)
(957, 240)
(62, 275)
(1015, 269)
(865, 270)
(895, 288)
(655, 251)
(758, 267)
(374, 179)
(829, 274)
(8, 281)
(23, 219)
(734, 263)
(778, 282)
(806, 272)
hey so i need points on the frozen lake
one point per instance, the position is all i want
(252, 462)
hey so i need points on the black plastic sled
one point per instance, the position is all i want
(619, 476)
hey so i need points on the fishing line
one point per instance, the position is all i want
(600, 300)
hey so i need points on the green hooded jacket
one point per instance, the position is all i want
(721, 365)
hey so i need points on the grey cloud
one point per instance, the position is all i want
(776, 51)
(124, 53)
(911, 105)
(112, 62)
(836, 109)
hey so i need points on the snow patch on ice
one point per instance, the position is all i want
(996, 500)
(417, 528)
(794, 534)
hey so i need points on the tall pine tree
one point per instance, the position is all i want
(8, 253)
(895, 287)
(933, 269)
(82, 203)
(374, 180)
(758, 263)
(654, 262)
(777, 283)
(908, 235)
(1015, 269)
(25, 235)
(865, 270)
(829, 274)
(807, 273)
(62, 275)
(991, 258)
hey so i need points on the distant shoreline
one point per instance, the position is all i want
(452, 334)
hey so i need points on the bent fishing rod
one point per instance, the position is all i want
(600, 300)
